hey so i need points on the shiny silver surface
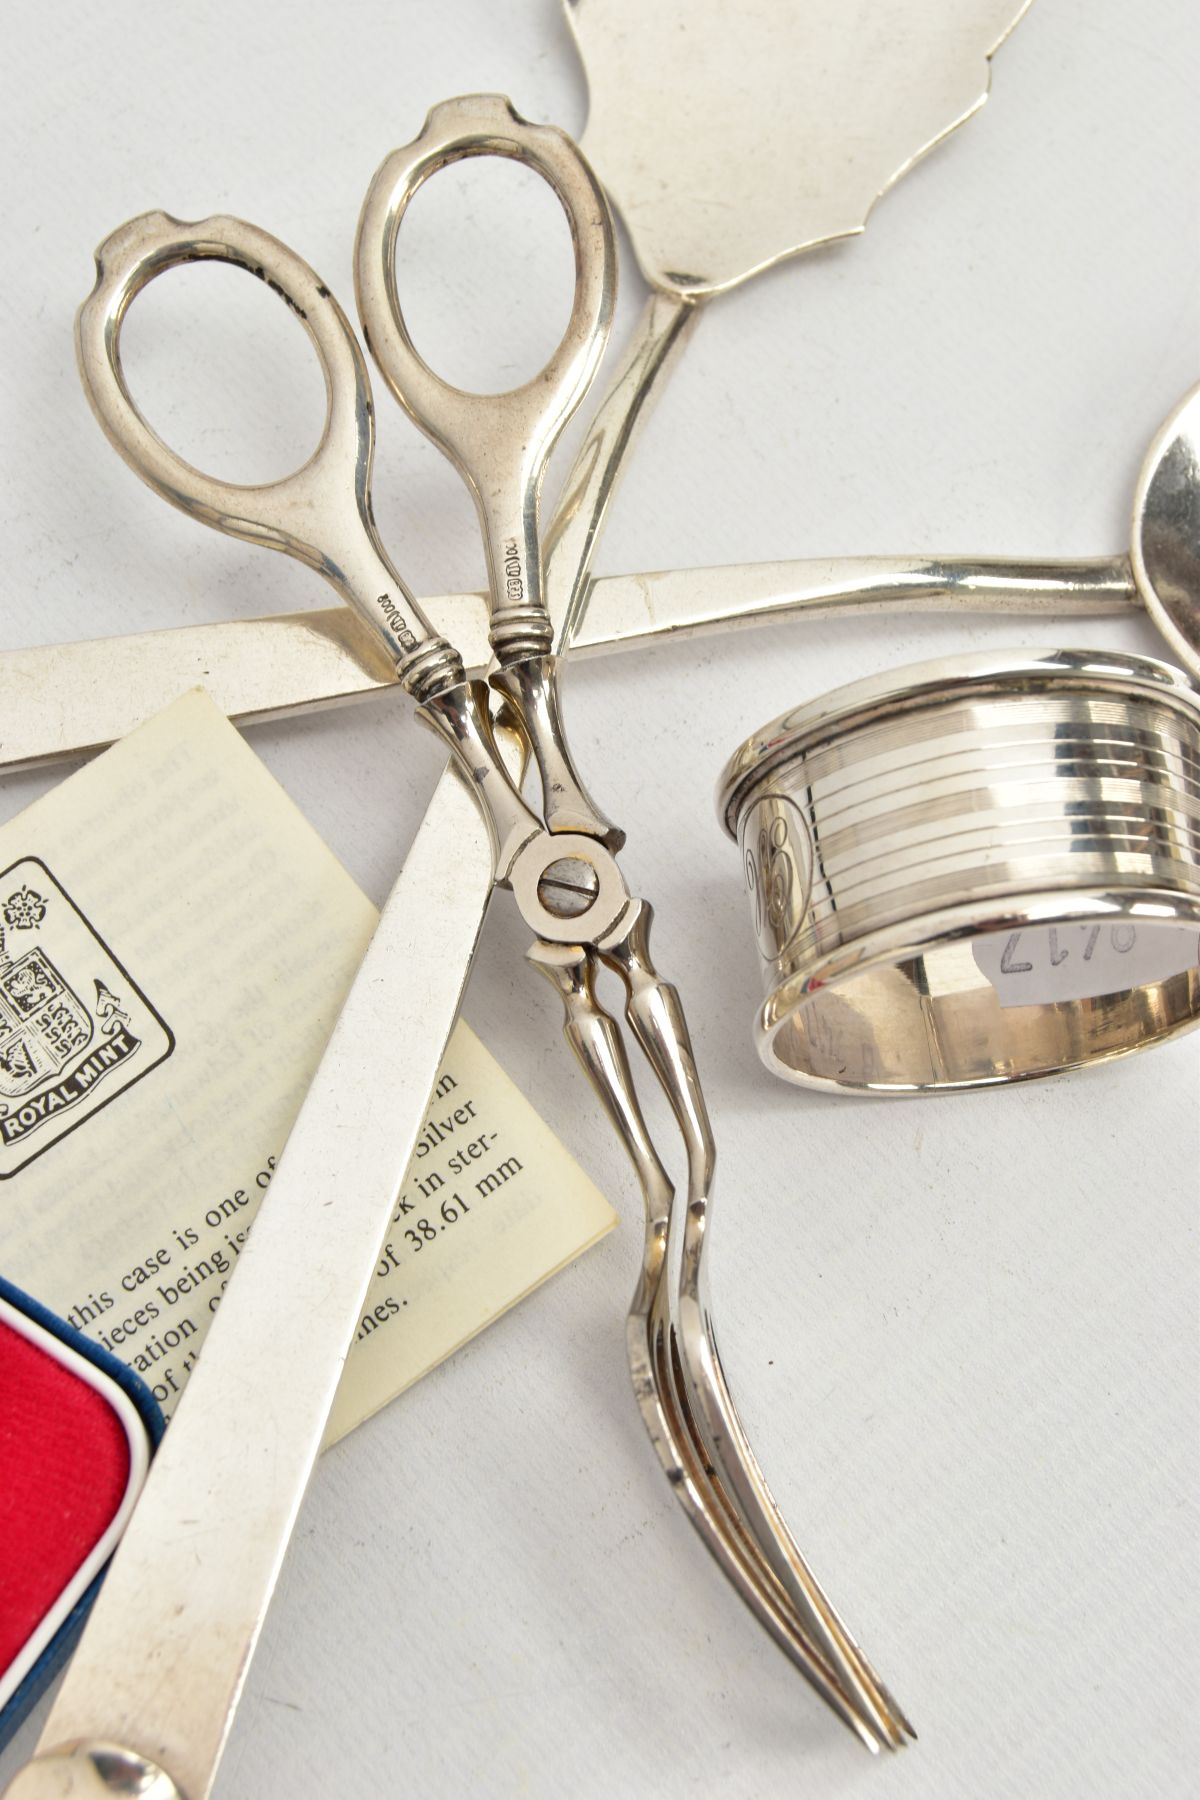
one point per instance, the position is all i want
(1166, 531)
(500, 446)
(320, 514)
(730, 138)
(92, 1771)
(889, 828)
(63, 700)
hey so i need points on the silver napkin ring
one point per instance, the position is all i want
(974, 871)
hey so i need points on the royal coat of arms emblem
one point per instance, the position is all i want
(75, 1028)
(43, 1022)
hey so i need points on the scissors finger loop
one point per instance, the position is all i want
(498, 442)
(321, 513)
(484, 125)
(293, 513)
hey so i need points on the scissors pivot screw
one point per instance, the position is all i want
(568, 887)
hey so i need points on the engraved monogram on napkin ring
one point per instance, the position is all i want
(973, 871)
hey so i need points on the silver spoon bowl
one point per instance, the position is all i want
(1165, 552)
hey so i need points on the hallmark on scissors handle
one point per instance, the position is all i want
(397, 621)
(514, 587)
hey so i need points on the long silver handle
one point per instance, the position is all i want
(61, 700)
(663, 329)
(160, 1668)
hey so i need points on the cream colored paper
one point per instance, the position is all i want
(177, 943)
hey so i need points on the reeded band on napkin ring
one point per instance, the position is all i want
(974, 871)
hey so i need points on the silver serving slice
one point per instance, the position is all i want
(730, 138)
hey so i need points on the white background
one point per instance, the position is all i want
(963, 1333)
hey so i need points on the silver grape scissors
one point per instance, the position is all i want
(560, 865)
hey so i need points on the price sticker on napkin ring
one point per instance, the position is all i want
(973, 871)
